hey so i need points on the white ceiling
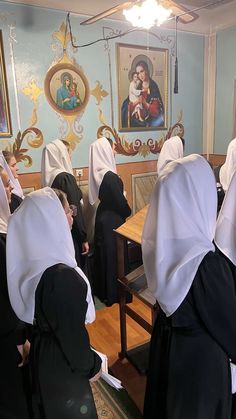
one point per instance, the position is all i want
(216, 17)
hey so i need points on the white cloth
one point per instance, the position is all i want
(101, 161)
(38, 237)
(225, 237)
(55, 160)
(134, 92)
(179, 229)
(172, 149)
(228, 168)
(233, 377)
(4, 209)
(17, 189)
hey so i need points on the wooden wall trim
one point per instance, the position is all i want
(216, 159)
(125, 171)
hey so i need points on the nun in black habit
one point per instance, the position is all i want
(194, 336)
(113, 208)
(57, 172)
(225, 241)
(12, 397)
(49, 291)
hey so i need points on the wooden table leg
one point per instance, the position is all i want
(123, 332)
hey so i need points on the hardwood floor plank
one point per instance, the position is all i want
(105, 337)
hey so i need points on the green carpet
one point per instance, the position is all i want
(113, 404)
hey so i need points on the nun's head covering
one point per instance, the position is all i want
(35, 243)
(55, 160)
(101, 161)
(179, 229)
(17, 189)
(225, 237)
(4, 209)
(172, 149)
(229, 167)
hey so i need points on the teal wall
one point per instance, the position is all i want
(34, 53)
(225, 76)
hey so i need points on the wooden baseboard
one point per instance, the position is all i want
(32, 181)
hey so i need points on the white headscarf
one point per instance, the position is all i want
(225, 237)
(38, 237)
(4, 209)
(55, 160)
(17, 189)
(172, 149)
(228, 168)
(179, 229)
(101, 161)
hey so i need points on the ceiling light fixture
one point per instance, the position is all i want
(148, 14)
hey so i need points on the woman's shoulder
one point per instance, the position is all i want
(215, 264)
(63, 175)
(111, 176)
(61, 274)
(60, 269)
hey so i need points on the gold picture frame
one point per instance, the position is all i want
(5, 118)
(142, 76)
(66, 89)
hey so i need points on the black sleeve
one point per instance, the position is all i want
(8, 319)
(20, 333)
(111, 192)
(63, 303)
(15, 202)
(215, 300)
(67, 183)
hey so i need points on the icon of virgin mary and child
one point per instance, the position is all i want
(144, 106)
(68, 95)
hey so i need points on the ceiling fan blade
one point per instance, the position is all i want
(185, 15)
(109, 12)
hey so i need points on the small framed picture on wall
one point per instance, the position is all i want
(66, 89)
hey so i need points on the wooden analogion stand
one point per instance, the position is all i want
(135, 282)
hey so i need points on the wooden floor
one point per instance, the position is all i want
(105, 337)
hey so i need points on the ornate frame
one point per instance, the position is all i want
(5, 119)
(53, 82)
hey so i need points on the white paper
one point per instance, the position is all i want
(104, 361)
(112, 381)
(233, 377)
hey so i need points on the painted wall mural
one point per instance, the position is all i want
(150, 146)
(61, 90)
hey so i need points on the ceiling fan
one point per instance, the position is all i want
(184, 15)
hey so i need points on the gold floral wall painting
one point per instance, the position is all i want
(66, 89)
(5, 119)
(142, 75)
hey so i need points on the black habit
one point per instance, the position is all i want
(111, 213)
(189, 371)
(12, 398)
(66, 182)
(61, 358)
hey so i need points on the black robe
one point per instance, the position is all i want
(12, 397)
(61, 358)
(220, 190)
(233, 270)
(111, 213)
(189, 371)
(15, 202)
(67, 183)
